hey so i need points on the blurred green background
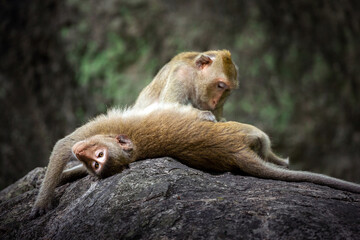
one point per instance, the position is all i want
(63, 62)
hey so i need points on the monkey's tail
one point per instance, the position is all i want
(257, 167)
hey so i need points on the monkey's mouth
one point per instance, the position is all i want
(207, 107)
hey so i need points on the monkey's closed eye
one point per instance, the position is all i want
(221, 85)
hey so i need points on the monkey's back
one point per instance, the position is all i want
(197, 143)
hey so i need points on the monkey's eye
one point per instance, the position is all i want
(221, 85)
(101, 154)
(96, 165)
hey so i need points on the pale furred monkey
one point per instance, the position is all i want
(201, 79)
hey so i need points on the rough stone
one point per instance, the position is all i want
(164, 199)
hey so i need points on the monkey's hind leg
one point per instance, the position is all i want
(259, 142)
(273, 158)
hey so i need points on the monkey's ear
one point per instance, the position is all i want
(125, 142)
(203, 61)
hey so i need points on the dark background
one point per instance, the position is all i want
(63, 62)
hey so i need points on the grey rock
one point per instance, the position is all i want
(164, 199)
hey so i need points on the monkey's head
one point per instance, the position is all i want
(104, 155)
(218, 76)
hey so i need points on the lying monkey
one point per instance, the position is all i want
(107, 144)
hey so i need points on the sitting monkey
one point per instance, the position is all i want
(203, 80)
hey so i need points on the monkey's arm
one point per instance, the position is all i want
(151, 93)
(179, 84)
(218, 112)
(174, 92)
(72, 174)
(60, 155)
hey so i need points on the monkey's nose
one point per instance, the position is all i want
(78, 148)
(212, 104)
(215, 103)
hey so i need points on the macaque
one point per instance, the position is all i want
(223, 148)
(107, 144)
(114, 122)
(203, 80)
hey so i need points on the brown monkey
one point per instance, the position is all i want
(203, 80)
(209, 146)
(113, 122)
(166, 130)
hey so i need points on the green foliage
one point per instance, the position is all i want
(264, 101)
(101, 70)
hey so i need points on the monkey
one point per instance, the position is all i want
(112, 122)
(106, 155)
(201, 79)
(173, 130)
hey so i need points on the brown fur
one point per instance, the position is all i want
(205, 145)
(179, 132)
(217, 147)
(192, 78)
(114, 122)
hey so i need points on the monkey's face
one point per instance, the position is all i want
(217, 92)
(217, 78)
(104, 155)
(213, 94)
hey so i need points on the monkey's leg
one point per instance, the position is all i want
(259, 142)
(72, 174)
(273, 158)
(252, 164)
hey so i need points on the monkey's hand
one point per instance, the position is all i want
(207, 116)
(40, 209)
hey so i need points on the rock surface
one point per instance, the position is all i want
(163, 199)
